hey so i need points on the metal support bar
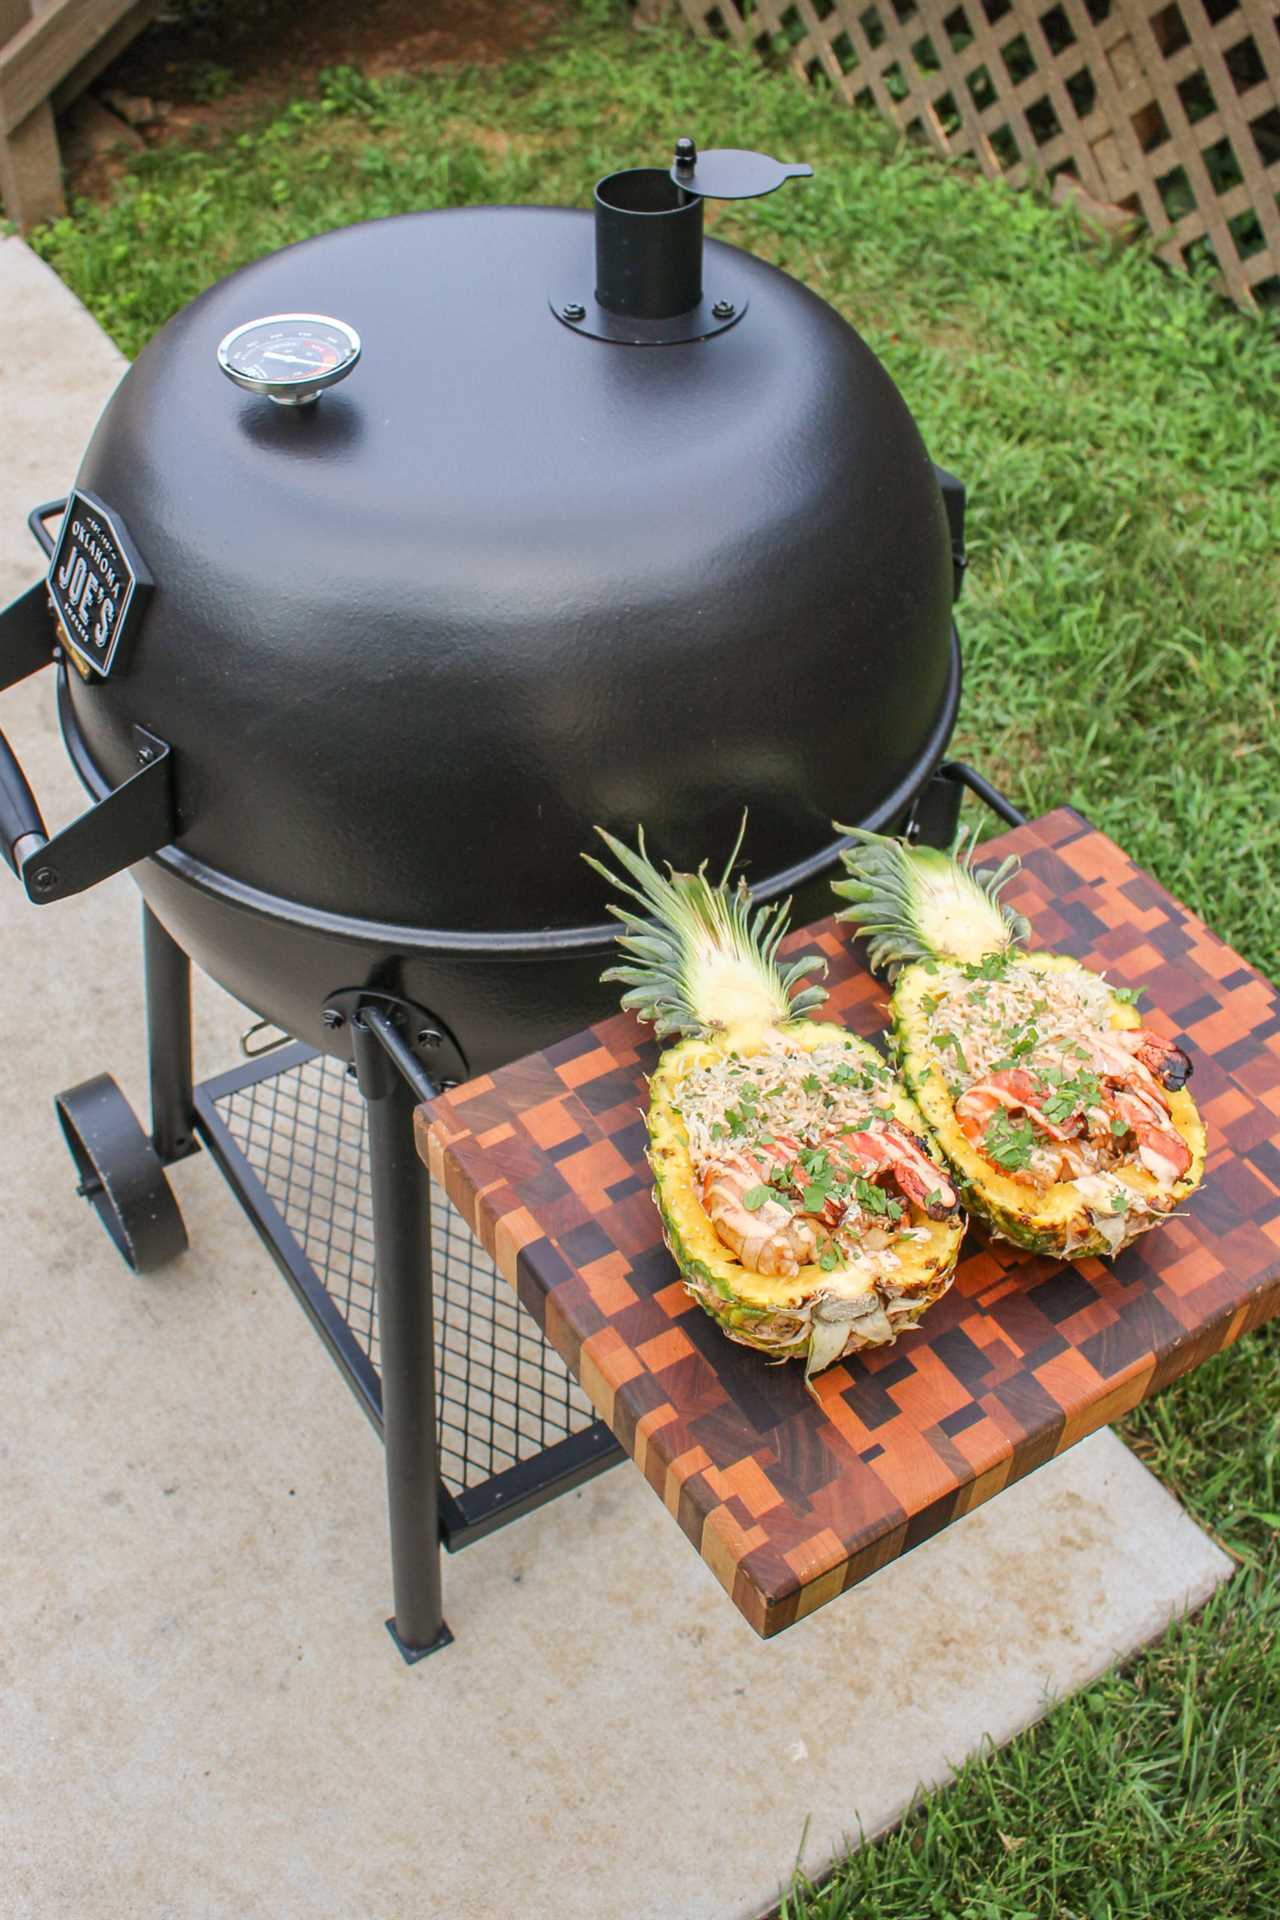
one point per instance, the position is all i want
(992, 797)
(935, 817)
(416, 1031)
(133, 820)
(168, 988)
(401, 1197)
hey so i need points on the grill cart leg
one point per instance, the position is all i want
(401, 1196)
(168, 973)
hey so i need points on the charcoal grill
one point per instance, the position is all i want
(360, 624)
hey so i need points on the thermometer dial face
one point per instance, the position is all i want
(290, 357)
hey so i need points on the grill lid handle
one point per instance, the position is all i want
(732, 173)
(21, 828)
(24, 648)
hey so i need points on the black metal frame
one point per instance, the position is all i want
(399, 1395)
(935, 816)
(123, 1175)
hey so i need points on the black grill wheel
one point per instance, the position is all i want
(120, 1174)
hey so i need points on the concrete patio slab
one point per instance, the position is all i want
(201, 1716)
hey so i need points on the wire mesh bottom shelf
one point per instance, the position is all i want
(504, 1397)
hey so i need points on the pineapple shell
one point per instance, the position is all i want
(805, 1316)
(1059, 1221)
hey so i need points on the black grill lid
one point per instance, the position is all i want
(411, 642)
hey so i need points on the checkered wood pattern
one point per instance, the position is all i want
(790, 1503)
(1169, 108)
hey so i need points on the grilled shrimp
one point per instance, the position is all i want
(1138, 1066)
(1139, 1058)
(890, 1149)
(771, 1240)
(1131, 1066)
(1163, 1153)
(1017, 1092)
(1165, 1062)
(1057, 1155)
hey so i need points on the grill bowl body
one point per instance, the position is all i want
(505, 582)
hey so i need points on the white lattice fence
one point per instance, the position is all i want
(1171, 110)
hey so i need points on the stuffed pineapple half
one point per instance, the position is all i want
(798, 1198)
(1065, 1122)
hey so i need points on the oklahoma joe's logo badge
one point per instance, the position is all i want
(98, 583)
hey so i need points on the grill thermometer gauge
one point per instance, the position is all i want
(289, 357)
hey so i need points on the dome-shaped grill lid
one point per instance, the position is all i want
(409, 645)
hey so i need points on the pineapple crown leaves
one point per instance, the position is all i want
(701, 956)
(918, 903)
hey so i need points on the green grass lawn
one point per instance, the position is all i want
(1119, 432)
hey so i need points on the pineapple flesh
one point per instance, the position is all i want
(799, 1195)
(1065, 1122)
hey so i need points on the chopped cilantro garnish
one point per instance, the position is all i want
(1020, 1041)
(1118, 1126)
(717, 1131)
(829, 1258)
(814, 1197)
(1010, 1143)
(754, 1198)
(1071, 1096)
(1119, 1201)
(992, 966)
(951, 1040)
(1130, 996)
(871, 1198)
(811, 1083)
(933, 1199)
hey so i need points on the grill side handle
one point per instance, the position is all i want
(136, 819)
(24, 649)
